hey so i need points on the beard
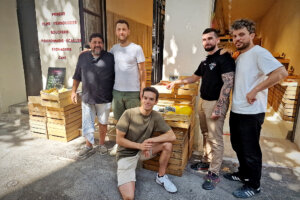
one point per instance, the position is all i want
(244, 46)
(96, 51)
(208, 49)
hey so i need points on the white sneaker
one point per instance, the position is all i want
(165, 181)
(113, 151)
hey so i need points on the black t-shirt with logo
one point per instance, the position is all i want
(97, 76)
(211, 70)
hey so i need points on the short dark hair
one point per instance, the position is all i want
(209, 30)
(95, 35)
(122, 21)
(241, 23)
(151, 89)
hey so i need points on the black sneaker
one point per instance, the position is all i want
(245, 192)
(210, 181)
(200, 166)
(233, 176)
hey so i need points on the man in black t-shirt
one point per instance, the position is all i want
(217, 73)
(95, 69)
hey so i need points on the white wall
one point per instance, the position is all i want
(12, 81)
(183, 51)
(50, 58)
(185, 21)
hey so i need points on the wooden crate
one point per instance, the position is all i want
(37, 117)
(36, 109)
(283, 97)
(148, 66)
(38, 126)
(59, 100)
(179, 156)
(63, 124)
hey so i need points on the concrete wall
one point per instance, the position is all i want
(138, 10)
(185, 21)
(49, 12)
(280, 30)
(12, 81)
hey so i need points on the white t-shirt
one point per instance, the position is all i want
(252, 67)
(127, 76)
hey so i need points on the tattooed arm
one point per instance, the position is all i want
(223, 101)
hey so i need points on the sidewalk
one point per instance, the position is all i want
(33, 168)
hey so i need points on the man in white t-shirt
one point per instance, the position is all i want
(130, 72)
(256, 71)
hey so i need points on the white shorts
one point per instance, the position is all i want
(127, 166)
(89, 112)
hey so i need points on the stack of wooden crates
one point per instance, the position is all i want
(283, 97)
(182, 125)
(61, 118)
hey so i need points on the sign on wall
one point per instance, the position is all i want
(59, 36)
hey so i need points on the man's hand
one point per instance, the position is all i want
(171, 85)
(146, 153)
(251, 96)
(74, 97)
(223, 51)
(141, 94)
(214, 116)
(84, 50)
(145, 146)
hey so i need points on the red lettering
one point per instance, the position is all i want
(61, 49)
(52, 40)
(45, 23)
(60, 32)
(58, 14)
(65, 23)
(73, 40)
(62, 57)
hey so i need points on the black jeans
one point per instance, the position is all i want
(244, 135)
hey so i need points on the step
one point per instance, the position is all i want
(14, 118)
(18, 109)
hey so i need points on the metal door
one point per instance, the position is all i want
(158, 39)
(92, 19)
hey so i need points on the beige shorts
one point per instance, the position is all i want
(127, 166)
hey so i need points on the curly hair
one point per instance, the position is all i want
(241, 23)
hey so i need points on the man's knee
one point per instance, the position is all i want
(127, 191)
(167, 146)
